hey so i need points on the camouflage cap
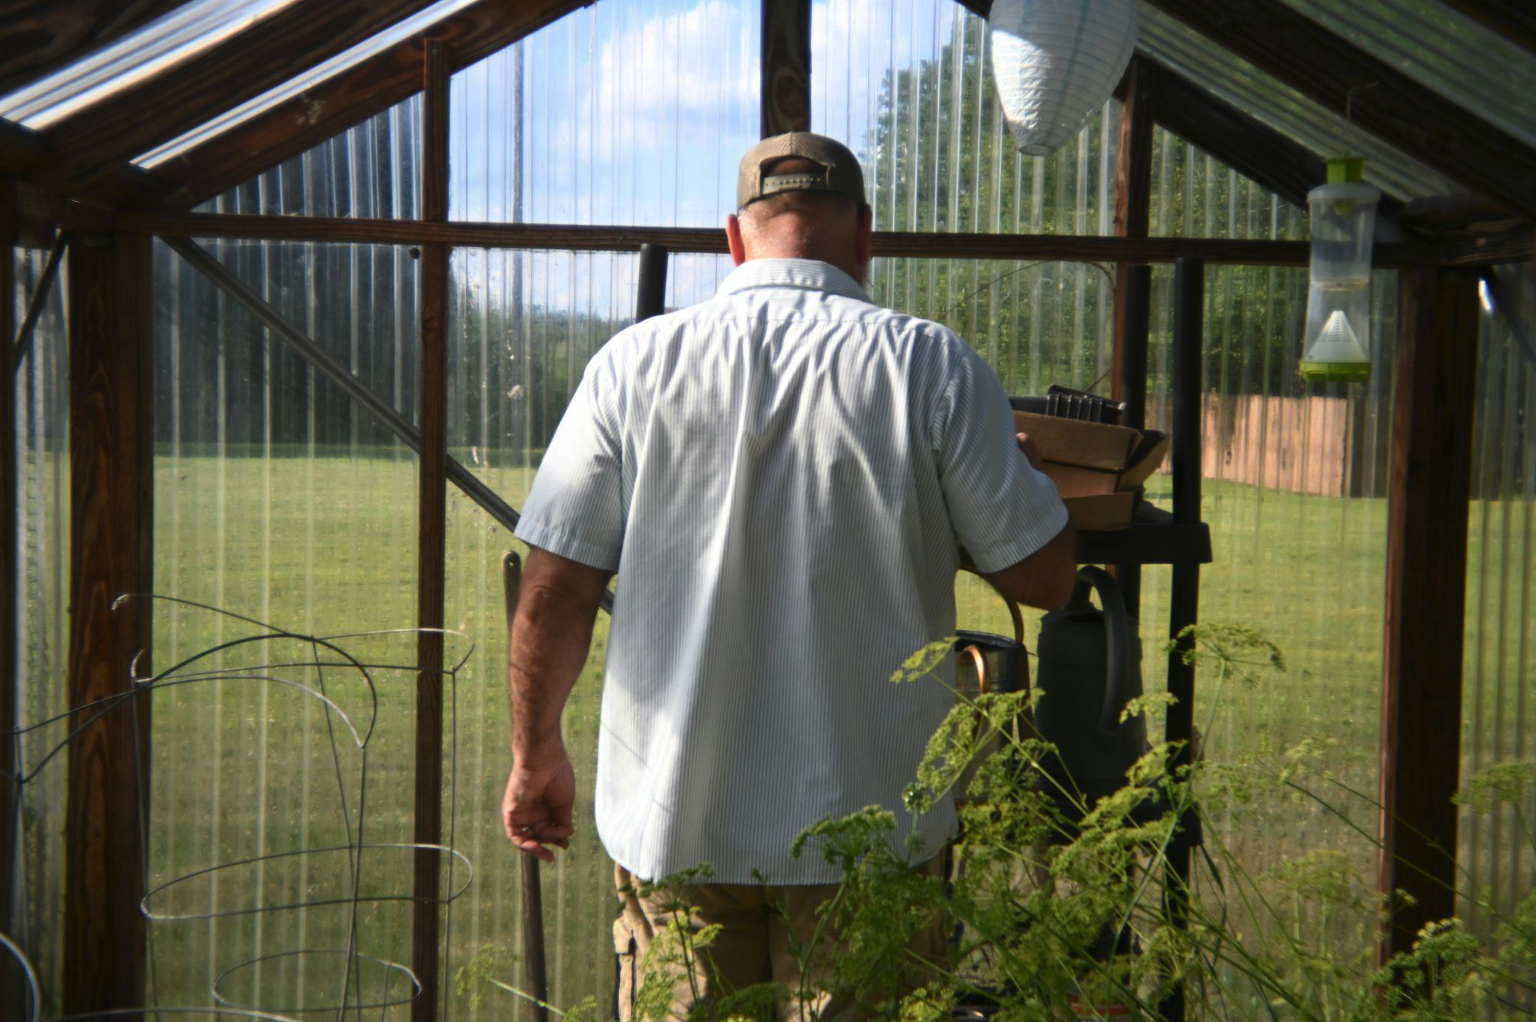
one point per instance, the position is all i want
(841, 174)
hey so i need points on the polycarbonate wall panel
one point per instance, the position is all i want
(1445, 50)
(370, 170)
(1499, 679)
(522, 327)
(40, 395)
(908, 86)
(624, 112)
(277, 498)
(1195, 196)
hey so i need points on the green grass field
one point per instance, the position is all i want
(328, 545)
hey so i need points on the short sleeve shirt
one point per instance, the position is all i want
(783, 477)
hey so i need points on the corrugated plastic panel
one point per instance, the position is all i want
(1444, 49)
(1498, 847)
(146, 51)
(1287, 111)
(40, 395)
(521, 329)
(277, 497)
(1194, 196)
(377, 43)
(371, 170)
(908, 86)
(625, 112)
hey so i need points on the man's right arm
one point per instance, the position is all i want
(1044, 579)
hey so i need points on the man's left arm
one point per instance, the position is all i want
(551, 636)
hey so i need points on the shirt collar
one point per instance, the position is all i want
(808, 274)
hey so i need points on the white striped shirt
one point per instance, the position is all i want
(780, 476)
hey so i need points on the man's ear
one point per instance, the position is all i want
(733, 239)
(865, 240)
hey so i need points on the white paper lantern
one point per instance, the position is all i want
(1056, 62)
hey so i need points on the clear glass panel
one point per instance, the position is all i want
(278, 498)
(1194, 196)
(377, 43)
(625, 112)
(908, 86)
(188, 30)
(1499, 687)
(371, 170)
(40, 392)
(1287, 111)
(1446, 50)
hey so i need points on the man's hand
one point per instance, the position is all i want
(1027, 446)
(536, 809)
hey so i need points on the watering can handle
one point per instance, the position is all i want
(1013, 608)
(1117, 633)
(983, 683)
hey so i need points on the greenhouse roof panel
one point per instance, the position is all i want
(1444, 50)
(147, 51)
(1239, 83)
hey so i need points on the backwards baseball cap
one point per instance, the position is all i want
(840, 173)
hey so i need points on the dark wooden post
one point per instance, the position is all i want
(432, 525)
(786, 66)
(1133, 183)
(1133, 214)
(10, 579)
(1184, 600)
(1430, 485)
(111, 490)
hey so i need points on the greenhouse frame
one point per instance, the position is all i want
(299, 290)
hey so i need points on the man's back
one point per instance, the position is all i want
(780, 475)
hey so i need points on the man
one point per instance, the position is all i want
(782, 476)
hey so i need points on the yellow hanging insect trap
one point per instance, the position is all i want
(1338, 342)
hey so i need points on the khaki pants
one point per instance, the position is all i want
(758, 925)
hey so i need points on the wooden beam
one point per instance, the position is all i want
(1429, 488)
(41, 36)
(131, 121)
(111, 489)
(1516, 245)
(1348, 80)
(786, 66)
(10, 593)
(1515, 20)
(339, 102)
(431, 543)
(914, 244)
(21, 148)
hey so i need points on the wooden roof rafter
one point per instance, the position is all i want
(338, 103)
(108, 133)
(40, 36)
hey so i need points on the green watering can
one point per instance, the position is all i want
(1090, 668)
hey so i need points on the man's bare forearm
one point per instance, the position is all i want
(551, 636)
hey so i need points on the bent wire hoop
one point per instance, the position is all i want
(324, 656)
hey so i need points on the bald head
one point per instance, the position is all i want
(803, 225)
